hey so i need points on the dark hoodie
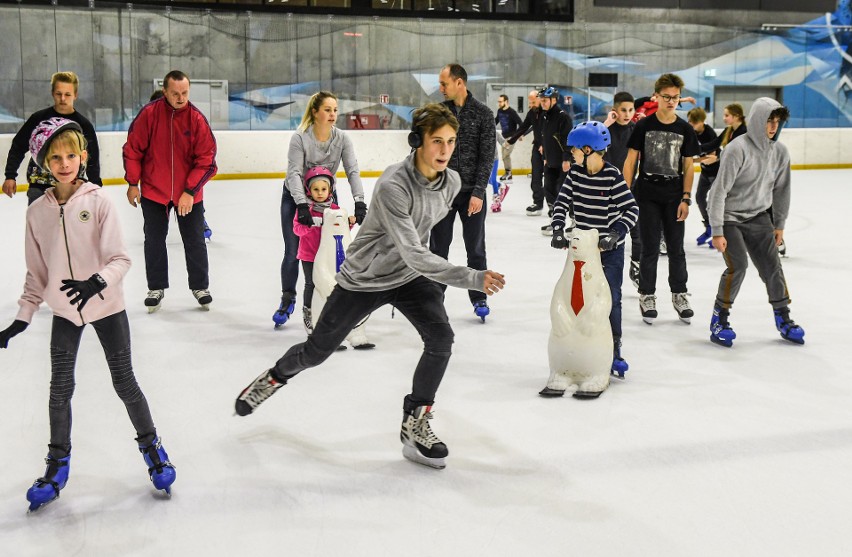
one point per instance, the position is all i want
(754, 174)
(554, 136)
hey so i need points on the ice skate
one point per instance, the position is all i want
(782, 249)
(705, 237)
(682, 307)
(207, 232)
(306, 318)
(203, 298)
(648, 307)
(263, 387)
(547, 230)
(787, 327)
(160, 470)
(497, 205)
(534, 210)
(154, 299)
(46, 489)
(721, 332)
(633, 273)
(419, 442)
(285, 309)
(481, 309)
(619, 365)
(664, 250)
(506, 177)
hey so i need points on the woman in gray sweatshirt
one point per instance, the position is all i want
(389, 262)
(316, 143)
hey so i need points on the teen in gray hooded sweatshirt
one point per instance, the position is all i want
(748, 207)
(389, 262)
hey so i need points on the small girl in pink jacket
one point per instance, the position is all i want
(319, 185)
(76, 261)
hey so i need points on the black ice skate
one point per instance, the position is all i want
(419, 442)
(257, 392)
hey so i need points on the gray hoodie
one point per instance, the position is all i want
(391, 248)
(754, 175)
(306, 152)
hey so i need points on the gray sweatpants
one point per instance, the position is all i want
(754, 238)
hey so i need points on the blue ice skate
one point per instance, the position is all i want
(720, 330)
(161, 471)
(787, 327)
(705, 237)
(285, 309)
(481, 309)
(619, 364)
(46, 489)
(207, 232)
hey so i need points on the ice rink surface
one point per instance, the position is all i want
(701, 451)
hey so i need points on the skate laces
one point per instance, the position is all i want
(648, 302)
(680, 301)
(423, 431)
(262, 388)
(156, 294)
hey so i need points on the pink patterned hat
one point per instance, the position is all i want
(44, 132)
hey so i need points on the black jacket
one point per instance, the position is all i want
(554, 136)
(476, 145)
(532, 121)
(21, 146)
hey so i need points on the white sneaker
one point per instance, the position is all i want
(153, 299)
(648, 307)
(681, 305)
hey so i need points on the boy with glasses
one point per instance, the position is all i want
(664, 145)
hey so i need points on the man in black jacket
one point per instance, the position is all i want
(533, 122)
(554, 148)
(472, 159)
(508, 120)
(64, 91)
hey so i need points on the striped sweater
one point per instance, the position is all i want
(601, 201)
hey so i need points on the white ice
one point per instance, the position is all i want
(701, 451)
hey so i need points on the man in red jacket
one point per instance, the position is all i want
(169, 155)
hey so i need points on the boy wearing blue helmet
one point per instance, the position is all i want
(596, 195)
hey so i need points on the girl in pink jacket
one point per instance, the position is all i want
(319, 185)
(76, 262)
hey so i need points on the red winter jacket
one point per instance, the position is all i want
(169, 152)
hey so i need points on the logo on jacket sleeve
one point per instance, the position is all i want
(84, 216)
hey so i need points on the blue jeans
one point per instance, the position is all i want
(289, 265)
(613, 267)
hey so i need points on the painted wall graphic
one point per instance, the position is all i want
(382, 68)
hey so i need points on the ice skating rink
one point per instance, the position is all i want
(701, 451)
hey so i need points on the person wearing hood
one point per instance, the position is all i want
(748, 207)
(389, 262)
(76, 262)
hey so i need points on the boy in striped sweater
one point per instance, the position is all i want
(597, 197)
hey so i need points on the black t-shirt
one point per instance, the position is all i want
(662, 148)
(706, 136)
(617, 152)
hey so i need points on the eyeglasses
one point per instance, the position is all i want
(669, 99)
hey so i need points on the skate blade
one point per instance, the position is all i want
(617, 374)
(587, 395)
(547, 392)
(365, 346)
(35, 508)
(686, 320)
(414, 455)
(152, 309)
(793, 340)
(649, 320)
(205, 307)
(720, 342)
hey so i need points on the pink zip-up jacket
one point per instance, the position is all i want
(310, 236)
(73, 241)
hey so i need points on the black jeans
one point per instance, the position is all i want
(289, 265)
(473, 233)
(191, 228)
(704, 184)
(553, 180)
(308, 270)
(654, 213)
(420, 301)
(536, 177)
(114, 334)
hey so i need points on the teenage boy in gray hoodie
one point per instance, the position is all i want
(748, 206)
(389, 262)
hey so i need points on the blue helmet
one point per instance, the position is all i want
(548, 92)
(591, 133)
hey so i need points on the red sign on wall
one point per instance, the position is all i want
(384, 99)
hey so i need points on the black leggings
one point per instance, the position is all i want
(114, 334)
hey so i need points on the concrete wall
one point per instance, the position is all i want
(264, 154)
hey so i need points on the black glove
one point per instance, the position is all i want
(360, 211)
(305, 217)
(82, 290)
(15, 328)
(560, 238)
(609, 240)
